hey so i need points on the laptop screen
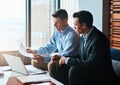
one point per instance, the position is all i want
(16, 64)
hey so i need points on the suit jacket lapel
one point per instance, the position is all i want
(88, 42)
(82, 48)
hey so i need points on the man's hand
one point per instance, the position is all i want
(55, 58)
(62, 60)
(31, 51)
(38, 57)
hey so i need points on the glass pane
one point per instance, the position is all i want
(41, 28)
(12, 24)
(71, 6)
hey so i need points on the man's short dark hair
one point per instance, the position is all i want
(84, 17)
(61, 13)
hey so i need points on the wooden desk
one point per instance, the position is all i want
(9, 78)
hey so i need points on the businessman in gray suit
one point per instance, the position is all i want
(92, 65)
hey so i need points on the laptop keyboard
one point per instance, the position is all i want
(36, 72)
(33, 70)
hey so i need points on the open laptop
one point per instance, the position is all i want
(17, 65)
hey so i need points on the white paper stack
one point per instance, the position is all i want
(34, 78)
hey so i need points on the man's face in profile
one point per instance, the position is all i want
(59, 23)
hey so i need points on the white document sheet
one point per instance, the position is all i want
(34, 78)
(22, 50)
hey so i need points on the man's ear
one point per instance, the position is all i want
(65, 20)
(84, 25)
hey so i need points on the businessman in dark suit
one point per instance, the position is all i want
(93, 64)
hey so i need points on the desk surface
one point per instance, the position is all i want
(15, 81)
(9, 78)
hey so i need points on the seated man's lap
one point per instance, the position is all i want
(59, 72)
(76, 76)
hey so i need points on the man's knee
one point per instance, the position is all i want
(73, 72)
(49, 66)
(38, 64)
(34, 63)
(52, 69)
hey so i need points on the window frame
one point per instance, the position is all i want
(28, 20)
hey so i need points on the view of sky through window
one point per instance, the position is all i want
(12, 24)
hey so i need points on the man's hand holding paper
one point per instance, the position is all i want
(23, 51)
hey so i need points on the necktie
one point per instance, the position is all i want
(84, 40)
(83, 45)
(84, 53)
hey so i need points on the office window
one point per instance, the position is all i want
(12, 24)
(41, 21)
(13, 28)
(71, 6)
